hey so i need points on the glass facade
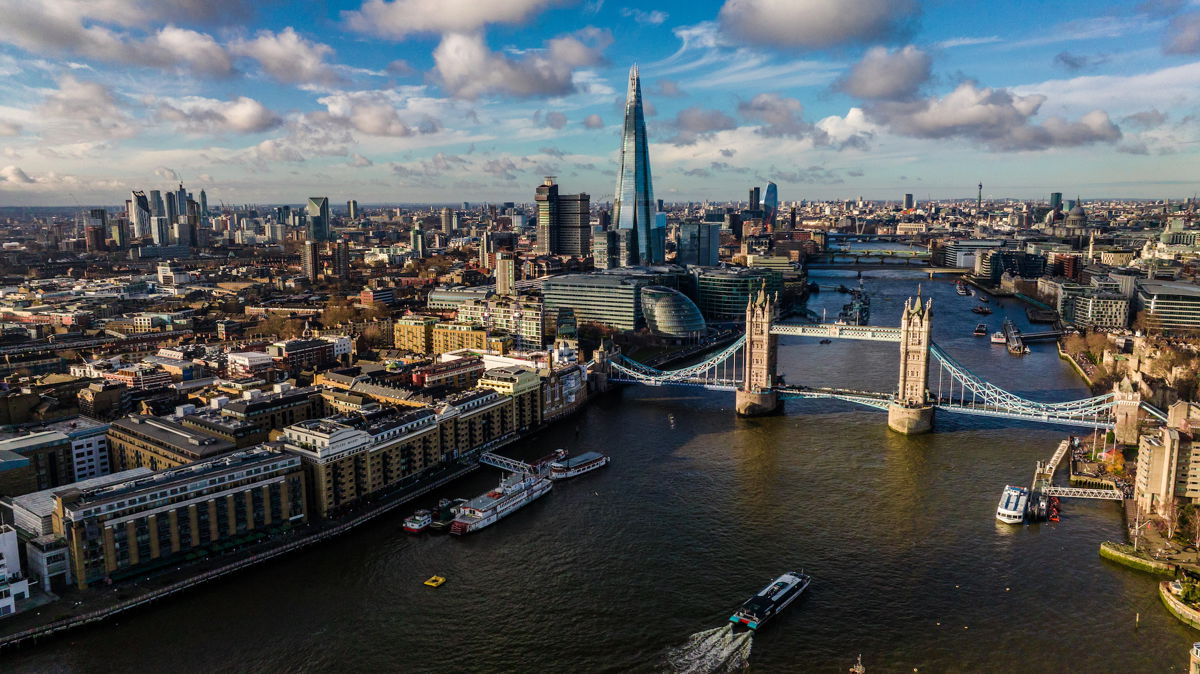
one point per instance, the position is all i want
(317, 211)
(611, 301)
(670, 313)
(634, 206)
(770, 206)
(725, 292)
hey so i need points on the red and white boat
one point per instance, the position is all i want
(418, 522)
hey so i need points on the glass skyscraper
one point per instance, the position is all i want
(770, 206)
(634, 206)
(317, 210)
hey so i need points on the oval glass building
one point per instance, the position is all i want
(669, 313)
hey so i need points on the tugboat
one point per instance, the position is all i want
(418, 522)
(444, 513)
(771, 600)
(981, 330)
(586, 462)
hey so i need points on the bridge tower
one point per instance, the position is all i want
(1127, 404)
(756, 396)
(910, 412)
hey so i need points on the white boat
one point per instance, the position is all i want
(515, 490)
(577, 465)
(771, 600)
(1013, 502)
(999, 338)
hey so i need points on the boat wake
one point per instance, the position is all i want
(711, 651)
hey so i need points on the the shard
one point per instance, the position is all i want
(634, 207)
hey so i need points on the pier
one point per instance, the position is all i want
(1043, 486)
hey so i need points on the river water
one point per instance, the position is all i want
(613, 570)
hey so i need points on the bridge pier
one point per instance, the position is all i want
(756, 403)
(910, 420)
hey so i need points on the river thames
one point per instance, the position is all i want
(697, 511)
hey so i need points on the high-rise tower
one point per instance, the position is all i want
(633, 205)
(317, 210)
(770, 206)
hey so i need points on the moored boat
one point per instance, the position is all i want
(981, 330)
(1013, 502)
(998, 338)
(418, 521)
(577, 465)
(515, 491)
(444, 513)
(771, 600)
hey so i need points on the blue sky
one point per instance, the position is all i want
(463, 100)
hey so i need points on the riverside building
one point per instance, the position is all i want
(132, 527)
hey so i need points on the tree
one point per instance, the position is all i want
(1170, 517)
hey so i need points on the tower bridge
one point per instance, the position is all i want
(749, 368)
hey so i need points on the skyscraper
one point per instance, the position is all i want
(203, 204)
(770, 206)
(564, 221)
(633, 207)
(181, 199)
(416, 242)
(506, 273)
(318, 218)
(1056, 201)
(754, 198)
(172, 208)
(909, 202)
(139, 214)
(156, 204)
(447, 220)
(309, 259)
(352, 209)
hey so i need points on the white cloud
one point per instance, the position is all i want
(206, 115)
(359, 161)
(400, 18)
(780, 115)
(9, 128)
(466, 68)
(1183, 34)
(81, 110)
(289, 58)
(816, 24)
(967, 41)
(13, 174)
(593, 121)
(888, 75)
(653, 18)
(692, 124)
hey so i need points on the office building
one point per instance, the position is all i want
(724, 293)
(172, 208)
(203, 204)
(564, 221)
(753, 203)
(157, 209)
(416, 243)
(317, 212)
(633, 205)
(1056, 201)
(139, 214)
(1096, 309)
(49, 456)
(120, 530)
(611, 301)
(160, 230)
(770, 206)
(459, 335)
(352, 209)
(1169, 306)
(909, 202)
(294, 355)
(141, 441)
(699, 244)
(310, 260)
(605, 248)
(89, 445)
(447, 220)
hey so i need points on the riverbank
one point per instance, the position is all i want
(1079, 370)
(1186, 614)
(1124, 555)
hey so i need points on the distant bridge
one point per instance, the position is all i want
(748, 367)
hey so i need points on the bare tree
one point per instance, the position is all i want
(1170, 516)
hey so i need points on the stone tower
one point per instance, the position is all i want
(757, 395)
(1127, 404)
(911, 412)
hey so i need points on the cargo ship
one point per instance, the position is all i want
(771, 600)
(588, 461)
(515, 490)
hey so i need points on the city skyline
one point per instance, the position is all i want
(405, 101)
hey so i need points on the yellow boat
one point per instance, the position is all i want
(435, 581)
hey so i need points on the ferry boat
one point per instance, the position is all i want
(515, 490)
(444, 513)
(586, 462)
(998, 338)
(418, 522)
(771, 600)
(1013, 501)
(961, 288)
(981, 330)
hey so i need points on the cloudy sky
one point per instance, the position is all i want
(474, 100)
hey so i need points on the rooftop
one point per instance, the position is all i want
(173, 435)
(41, 503)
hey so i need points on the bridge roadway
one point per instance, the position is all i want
(871, 333)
